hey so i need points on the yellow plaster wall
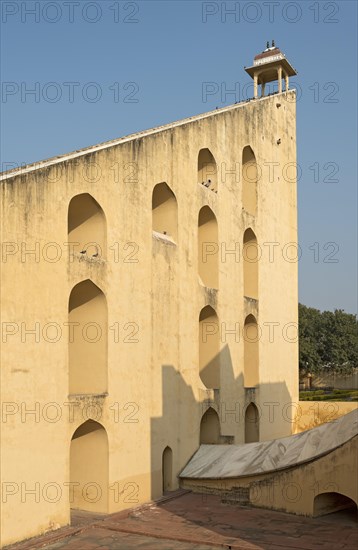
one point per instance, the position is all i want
(154, 297)
(310, 414)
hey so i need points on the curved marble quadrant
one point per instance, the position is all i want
(226, 461)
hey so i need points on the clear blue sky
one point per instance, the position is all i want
(167, 50)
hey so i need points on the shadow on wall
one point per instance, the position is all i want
(209, 348)
(184, 428)
(188, 419)
(187, 422)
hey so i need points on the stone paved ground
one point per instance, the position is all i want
(198, 522)
(103, 539)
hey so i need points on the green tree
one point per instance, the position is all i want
(309, 357)
(327, 340)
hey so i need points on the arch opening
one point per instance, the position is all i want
(210, 428)
(328, 503)
(87, 226)
(250, 264)
(167, 469)
(251, 352)
(207, 170)
(252, 432)
(208, 248)
(209, 348)
(164, 211)
(88, 317)
(249, 181)
(89, 468)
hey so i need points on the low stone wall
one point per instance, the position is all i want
(310, 414)
(336, 381)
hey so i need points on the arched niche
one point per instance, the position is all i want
(208, 248)
(88, 329)
(249, 181)
(209, 348)
(327, 503)
(210, 428)
(89, 468)
(87, 226)
(167, 469)
(252, 433)
(207, 170)
(164, 211)
(251, 352)
(250, 264)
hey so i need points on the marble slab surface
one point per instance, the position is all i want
(222, 461)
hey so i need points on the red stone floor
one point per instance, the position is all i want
(187, 521)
